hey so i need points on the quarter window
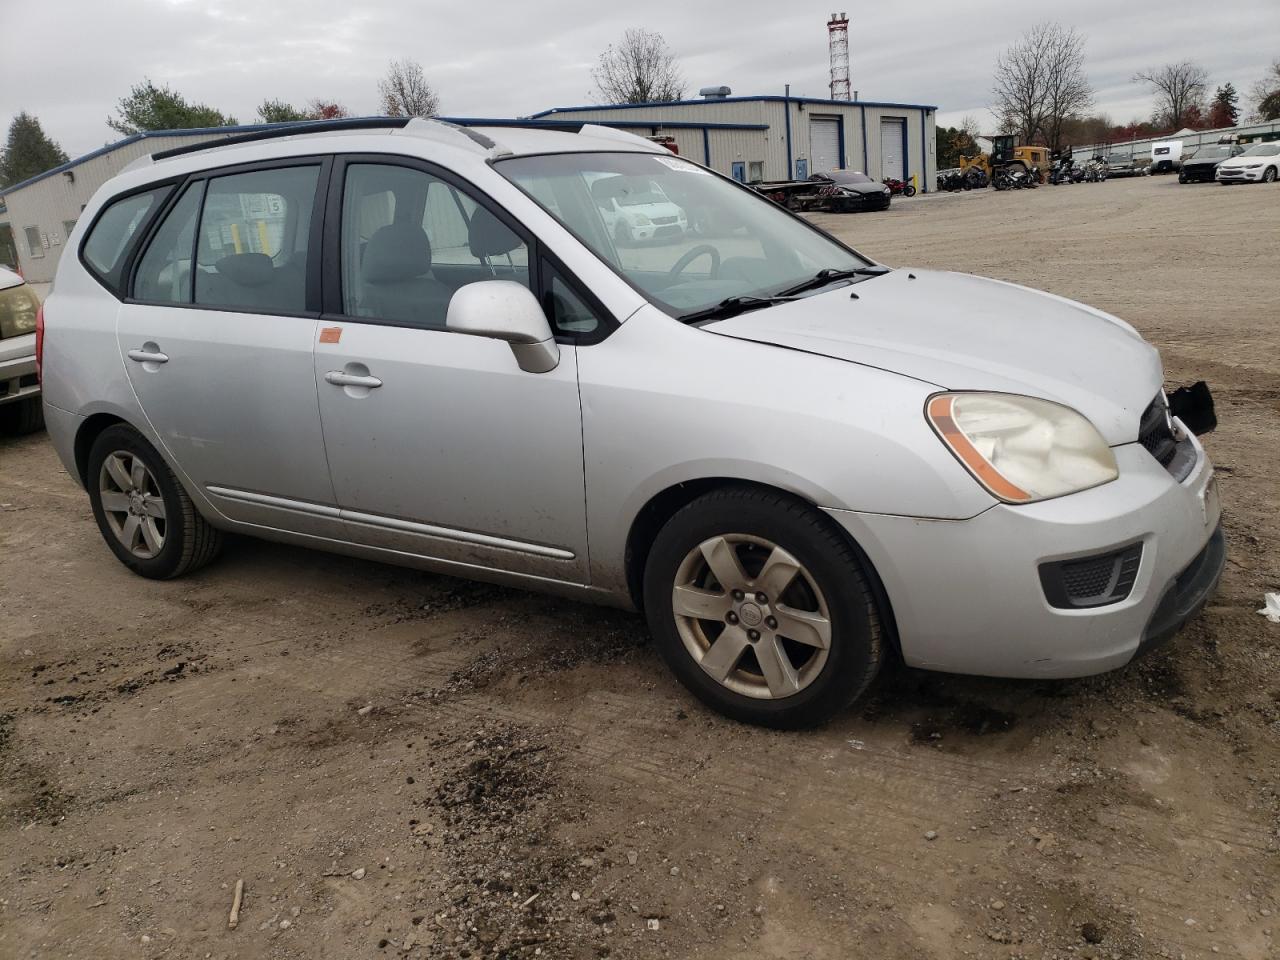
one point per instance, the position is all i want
(409, 240)
(255, 232)
(164, 272)
(568, 312)
(108, 242)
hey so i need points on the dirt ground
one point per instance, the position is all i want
(397, 764)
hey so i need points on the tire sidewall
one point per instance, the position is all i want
(854, 656)
(168, 561)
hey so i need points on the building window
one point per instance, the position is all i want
(34, 246)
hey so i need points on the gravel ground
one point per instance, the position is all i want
(404, 765)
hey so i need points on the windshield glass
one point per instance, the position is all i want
(1213, 153)
(1263, 150)
(686, 238)
(847, 177)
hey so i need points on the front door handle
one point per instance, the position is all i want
(340, 379)
(148, 355)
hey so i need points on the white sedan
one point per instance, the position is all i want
(1260, 162)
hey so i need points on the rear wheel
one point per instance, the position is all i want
(908, 191)
(147, 519)
(762, 609)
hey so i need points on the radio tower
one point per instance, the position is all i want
(838, 40)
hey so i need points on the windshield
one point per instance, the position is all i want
(709, 241)
(847, 177)
(1213, 153)
(1263, 150)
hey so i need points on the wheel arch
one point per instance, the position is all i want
(88, 432)
(662, 506)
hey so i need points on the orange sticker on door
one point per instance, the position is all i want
(330, 334)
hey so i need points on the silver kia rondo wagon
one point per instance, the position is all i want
(433, 345)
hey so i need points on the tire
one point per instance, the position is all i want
(1269, 175)
(908, 191)
(185, 540)
(745, 529)
(24, 416)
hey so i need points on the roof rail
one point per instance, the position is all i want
(290, 130)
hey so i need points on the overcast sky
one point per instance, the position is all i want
(69, 61)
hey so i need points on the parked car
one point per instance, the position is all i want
(1259, 163)
(20, 408)
(1201, 166)
(636, 209)
(847, 191)
(1121, 165)
(419, 343)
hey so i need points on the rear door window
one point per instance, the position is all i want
(107, 246)
(255, 239)
(164, 272)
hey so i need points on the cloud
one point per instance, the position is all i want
(78, 57)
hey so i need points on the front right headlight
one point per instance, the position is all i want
(1022, 449)
(18, 306)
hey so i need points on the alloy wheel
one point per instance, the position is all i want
(751, 616)
(132, 503)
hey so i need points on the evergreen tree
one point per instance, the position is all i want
(28, 151)
(1224, 111)
(148, 107)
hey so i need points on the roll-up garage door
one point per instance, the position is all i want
(824, 144)
(892, 149)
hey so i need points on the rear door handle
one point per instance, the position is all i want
(148, 356)
(340, 379)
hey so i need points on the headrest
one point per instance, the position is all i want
(490, 237)
(398, 251)
(247, 269)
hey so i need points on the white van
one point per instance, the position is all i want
(1166, 156)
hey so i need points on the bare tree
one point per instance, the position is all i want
(1179, 90)
(1040, 81)
(640, 69)
(405, 91)
(1266, 95)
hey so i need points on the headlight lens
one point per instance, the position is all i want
(18, 306)
(1022, 449)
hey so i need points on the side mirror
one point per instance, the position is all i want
(505, 310)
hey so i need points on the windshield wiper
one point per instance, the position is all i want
(732, 306)
(830, 275)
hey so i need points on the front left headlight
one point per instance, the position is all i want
(1022, 449)
(18, 306)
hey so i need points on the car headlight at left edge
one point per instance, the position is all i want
(1022, 449)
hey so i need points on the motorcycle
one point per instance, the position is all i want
(1062, 171)
(903, 187)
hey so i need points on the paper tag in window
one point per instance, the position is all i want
(682, 166)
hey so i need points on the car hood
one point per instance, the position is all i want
(651, 210)
(961, 332)
(1244, 161)
(872, 188)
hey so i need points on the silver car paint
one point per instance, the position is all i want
(809, 412)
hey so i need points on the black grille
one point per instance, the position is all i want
(1091, 581)
(1154, 432)
(28, 380)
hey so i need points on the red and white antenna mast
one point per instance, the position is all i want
(838, 41)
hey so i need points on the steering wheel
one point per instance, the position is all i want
(693, 254)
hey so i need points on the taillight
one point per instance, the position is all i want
(40, 344)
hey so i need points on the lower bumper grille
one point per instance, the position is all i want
(1091, 581)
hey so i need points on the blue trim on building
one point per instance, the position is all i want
(924, 152)
(786, 116)
(759, 99)
(865, 159)
(706, 147)
(840, 140)
(906, 152)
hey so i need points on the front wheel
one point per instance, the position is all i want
(24, 416)
(147, 519)
(908, 191)
(1269, 175)
(762, 609)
